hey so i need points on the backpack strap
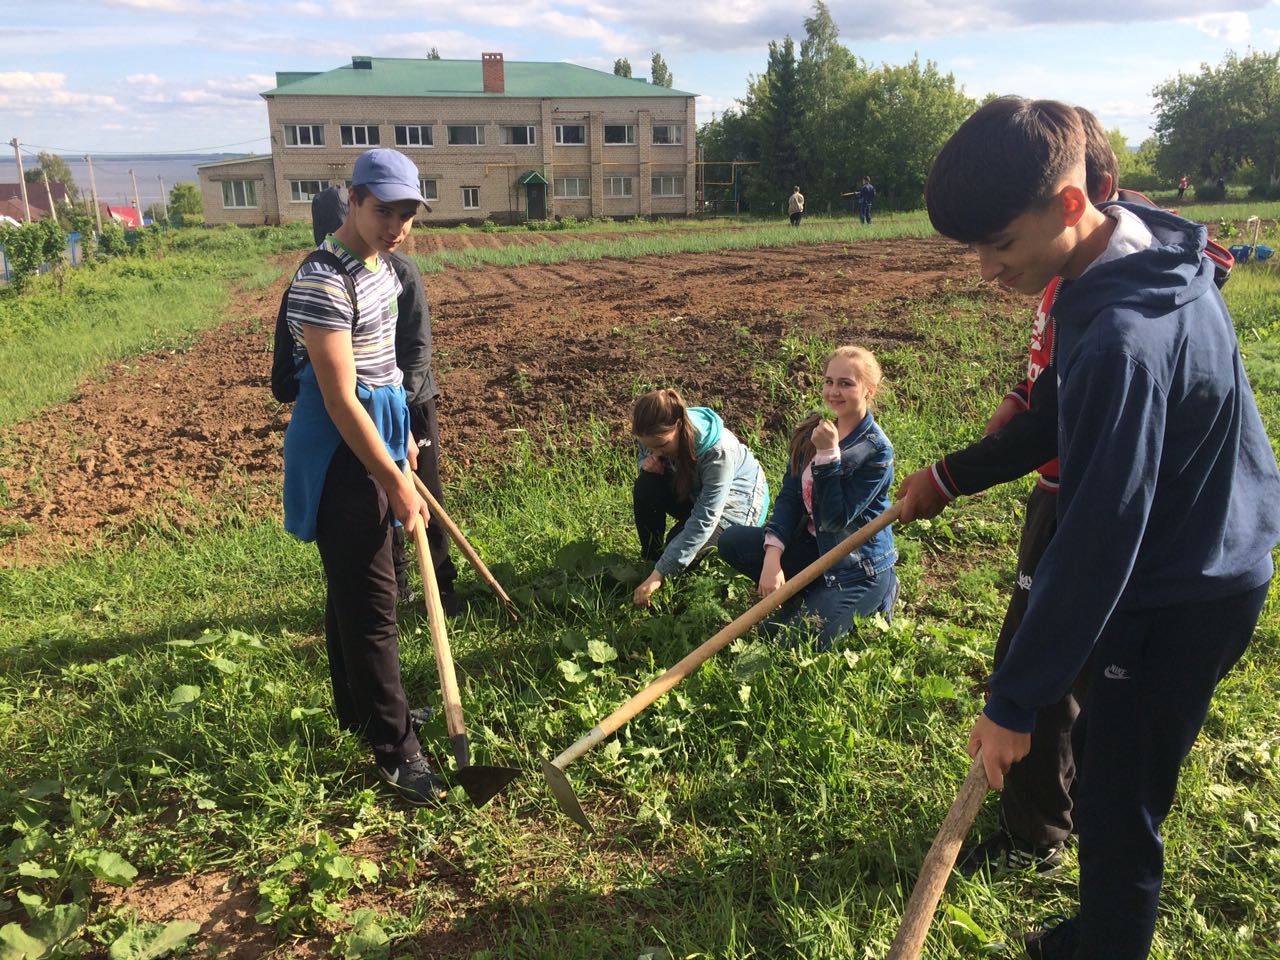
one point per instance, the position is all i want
(331, 259)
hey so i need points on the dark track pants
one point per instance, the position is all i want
(653, 499)
(354, 536)
(1036, 801)
(1151, 678)
(426, 433)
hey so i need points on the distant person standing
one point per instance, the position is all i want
(866, 196)
(1183, 183)
(795, 206)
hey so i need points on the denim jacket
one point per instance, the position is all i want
(847, 494)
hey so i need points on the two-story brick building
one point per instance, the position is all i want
(492, 140)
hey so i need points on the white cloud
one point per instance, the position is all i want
(29, 94)
(1231, 27)
(143, 80)
(452, 44)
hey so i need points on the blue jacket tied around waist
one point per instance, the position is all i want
(847, 495)
(311, 440)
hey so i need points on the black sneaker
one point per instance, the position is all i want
(415, 781)
(1003, 853)
(451, 603)
(1057, 939)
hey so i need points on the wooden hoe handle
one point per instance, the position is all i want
(468, 551)
(937, 865)
(444, 656)
(637, 704)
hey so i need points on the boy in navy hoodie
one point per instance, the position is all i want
(1166, 517)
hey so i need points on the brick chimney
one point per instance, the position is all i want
(494, 75)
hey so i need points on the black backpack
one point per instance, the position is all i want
(284, 371)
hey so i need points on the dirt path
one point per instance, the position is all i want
(525, 347)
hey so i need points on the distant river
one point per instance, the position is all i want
(112, 174)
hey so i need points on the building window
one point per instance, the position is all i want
(468, 136)
(418, 135)
(239, 193)
(570, 134)
(429, 188)
(572, 188)
(668, 186)
(617, 186)
(668, 133)
(358, 135)
(518, 136)
(470, 198)
(303, 190)
(304, 135)
(617, 133)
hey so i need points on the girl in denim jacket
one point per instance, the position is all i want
(837, 481)
(693, 469)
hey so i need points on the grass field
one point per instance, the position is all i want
(166, 713)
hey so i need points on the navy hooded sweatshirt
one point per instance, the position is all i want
(1169, 488)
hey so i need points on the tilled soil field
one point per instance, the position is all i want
(529, 348)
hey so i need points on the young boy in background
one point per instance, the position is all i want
(1161, 559)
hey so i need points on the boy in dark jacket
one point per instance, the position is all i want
(1166, 518)
(1022, 435)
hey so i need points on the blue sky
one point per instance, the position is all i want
(184, 75)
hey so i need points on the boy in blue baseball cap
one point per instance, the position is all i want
(344, 450)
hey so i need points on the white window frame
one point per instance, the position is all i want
(477, 127)
(475, 205)
(293, 134)
(676, 182)
(560, 187)
(430, 187)
(630, 140)
(611, 184)
(426, 138)
(561, 127)
(298, 195)
(675, 134)
(530, 132)
(248, 194)
(362, 135)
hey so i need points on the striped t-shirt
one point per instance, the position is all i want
(318, 298)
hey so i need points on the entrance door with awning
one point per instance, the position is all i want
(535, 185)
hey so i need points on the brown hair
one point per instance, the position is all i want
(801, 448)
(359, 194)
(660, 412)
(1007, 158)
(1099, 159)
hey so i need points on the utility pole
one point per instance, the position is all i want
(137, 203)
(93, 187)
(22, 181)
(48, 192)
(164, 204)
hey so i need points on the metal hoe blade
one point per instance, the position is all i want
(484, 783)
(563, 792)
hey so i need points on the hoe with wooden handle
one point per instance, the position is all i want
(482, 784)
(468, 551)
(553, 770)
(937, 865)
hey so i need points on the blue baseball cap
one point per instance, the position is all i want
(389, 175)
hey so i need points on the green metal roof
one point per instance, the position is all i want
(533, 176)
(392, 77)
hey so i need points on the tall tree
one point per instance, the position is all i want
(908, 114)
(622, 67)
(1212, 123)
(433, 53)
(827, 74)
(776, 99)
(658, 72)
(53, 166)
(185, 206)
